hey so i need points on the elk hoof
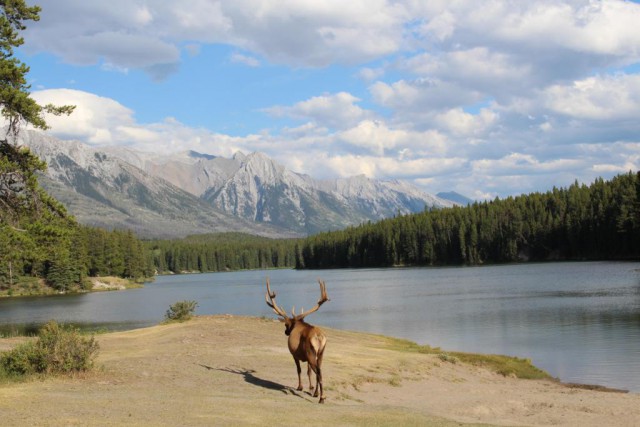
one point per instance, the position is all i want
(300, 388)
(321, 400)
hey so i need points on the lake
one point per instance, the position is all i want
(578, 321)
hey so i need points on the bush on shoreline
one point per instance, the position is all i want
(180, 311)
(58, 350)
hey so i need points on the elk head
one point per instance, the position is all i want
(306, 342)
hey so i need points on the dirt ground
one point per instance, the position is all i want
(225, 370)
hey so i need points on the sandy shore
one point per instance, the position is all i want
(224, 370)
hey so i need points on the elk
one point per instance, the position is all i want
(306, 342)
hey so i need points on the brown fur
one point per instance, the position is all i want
(306, 342)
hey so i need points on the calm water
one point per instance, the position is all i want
(578, 321)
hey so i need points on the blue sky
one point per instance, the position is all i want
(493, 100)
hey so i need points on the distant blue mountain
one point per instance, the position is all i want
(455, 197)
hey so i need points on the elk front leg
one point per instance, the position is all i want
(299, 374)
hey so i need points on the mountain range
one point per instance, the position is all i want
(186, 193)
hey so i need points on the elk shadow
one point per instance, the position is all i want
(249, 377)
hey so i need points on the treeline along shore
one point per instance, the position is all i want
(600, 221)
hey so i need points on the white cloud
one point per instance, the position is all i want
(597, 98)
(371, 74)
(376, 137)
(95, 119)
(422, 95)
(120, 33)
(140, 34)
(461, 123)
(479, 69)
(315, 33)
(346, 165)
(523, 164)
(239, 58)
(602, 27)
(337, 111)
(102, 121)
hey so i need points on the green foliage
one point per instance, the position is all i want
(181, 311)
(601, 221)
(25, 359)
(57, 350)
(221, 252)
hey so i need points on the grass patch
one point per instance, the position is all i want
(26, 286)
(395, 381)
(503, 365)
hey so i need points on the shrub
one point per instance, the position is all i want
(57, 350)
(25, 359)
(181, 311)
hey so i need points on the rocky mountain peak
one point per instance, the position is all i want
(239, 156)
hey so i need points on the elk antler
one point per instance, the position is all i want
(322, 300)
(270, 298)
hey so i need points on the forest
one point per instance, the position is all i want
(221, 252)
(596, 222)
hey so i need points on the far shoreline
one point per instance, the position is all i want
(36, 287)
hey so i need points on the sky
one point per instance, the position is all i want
(489, 99)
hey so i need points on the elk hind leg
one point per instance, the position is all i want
(319, 376)
(309, 371)
(318, 347)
